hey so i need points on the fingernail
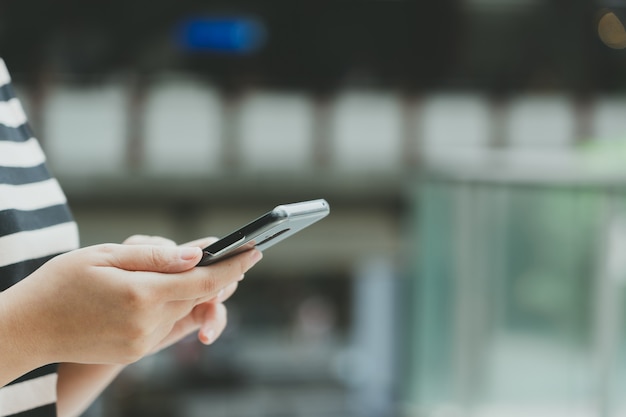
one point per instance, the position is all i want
(242, 277)
(220, 294)
(189, 252)
(208, 336)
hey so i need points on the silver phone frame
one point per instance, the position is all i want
(267, 230)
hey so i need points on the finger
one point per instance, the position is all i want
(186, 325)
(210, 316)
(202, 243)
(207, 281)
(214, 324)
(148, 258)
(225, 293)
(149, 240)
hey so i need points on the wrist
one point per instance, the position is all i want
(80, 384)
(21, 351)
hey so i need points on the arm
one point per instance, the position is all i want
(19, 349)
(109, 304)
(80, 384)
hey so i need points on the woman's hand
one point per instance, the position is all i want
(117, 303)
(208, 318)
(79, 384)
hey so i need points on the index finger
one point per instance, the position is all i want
(207, 281)
(201, 243)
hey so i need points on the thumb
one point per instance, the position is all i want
(151, 258)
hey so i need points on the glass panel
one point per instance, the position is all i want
(509, 289)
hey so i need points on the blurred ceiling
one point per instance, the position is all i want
(325, 44)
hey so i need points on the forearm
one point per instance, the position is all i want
(20, 347)
(79, 385)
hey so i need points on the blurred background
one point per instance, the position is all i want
(472, 151)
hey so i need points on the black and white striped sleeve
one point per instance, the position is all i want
(35, 225)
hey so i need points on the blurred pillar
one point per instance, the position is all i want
(374, 318)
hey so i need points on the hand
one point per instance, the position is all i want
(116, 303)
(208, 318)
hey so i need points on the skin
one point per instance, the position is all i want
(97, 309)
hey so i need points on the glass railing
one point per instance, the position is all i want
(517, 300)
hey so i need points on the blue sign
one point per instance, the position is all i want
(221, 35)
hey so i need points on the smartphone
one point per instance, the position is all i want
(267, 230)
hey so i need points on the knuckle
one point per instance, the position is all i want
(157, 257)
(209, 285)
(135, 239)
(107, 248)
(137, 345)
(138, 300)
(107, 252)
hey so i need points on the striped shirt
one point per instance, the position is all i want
(35, 225)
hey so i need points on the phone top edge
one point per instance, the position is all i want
(279, 214)
(299, 215)
(302, 208)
